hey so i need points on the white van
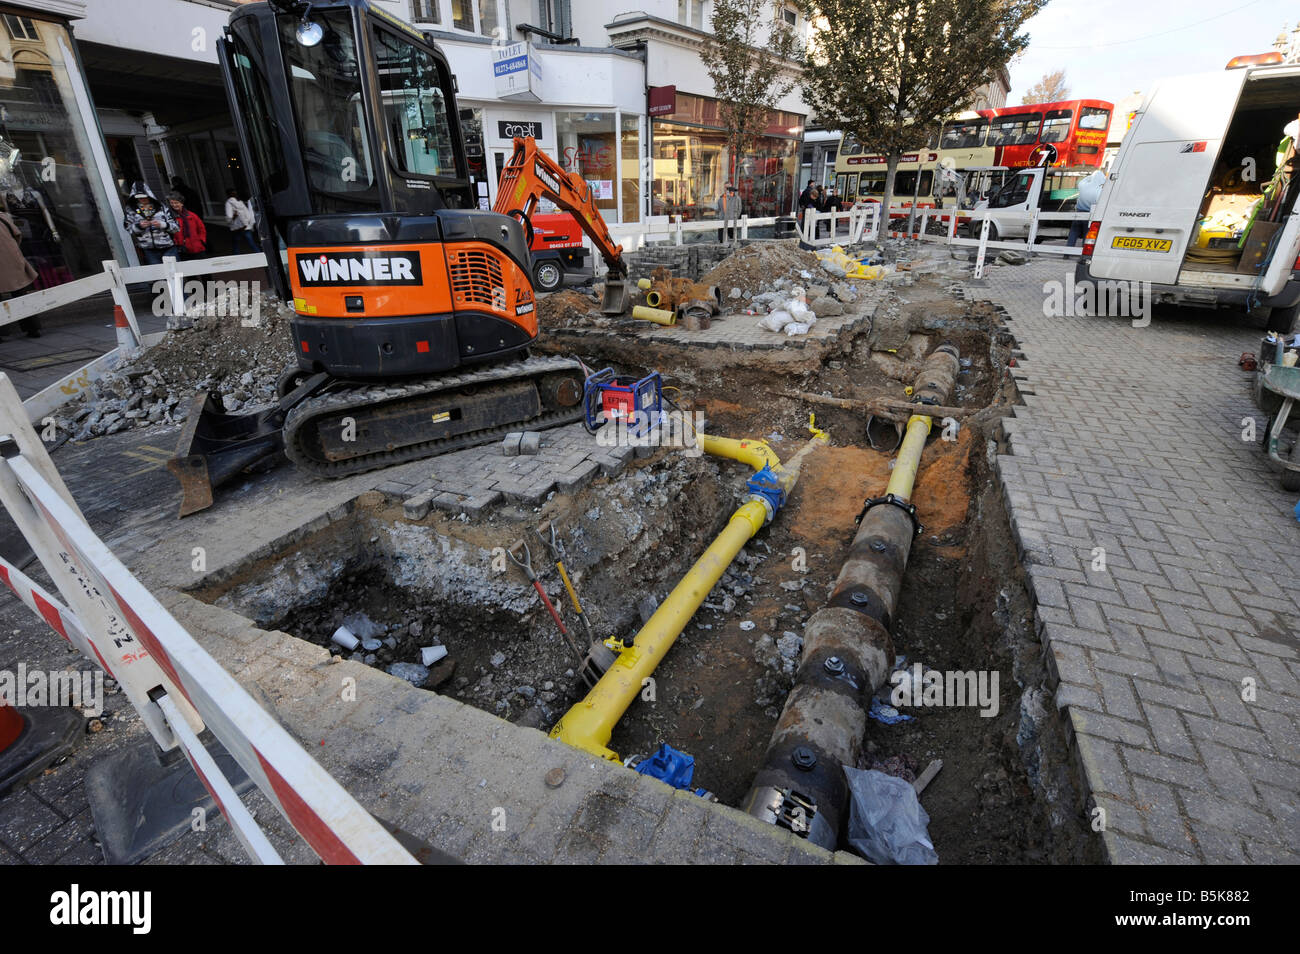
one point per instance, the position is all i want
(1201, 146)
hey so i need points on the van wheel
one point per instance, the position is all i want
(1283, 321)
(547, 276)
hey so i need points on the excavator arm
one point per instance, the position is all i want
(530, 176)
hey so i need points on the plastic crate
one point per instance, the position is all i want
(607, 397)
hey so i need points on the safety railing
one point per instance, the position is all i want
(177, 688)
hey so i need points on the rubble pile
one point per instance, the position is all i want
(240, 355)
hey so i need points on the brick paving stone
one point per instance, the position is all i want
(1130, 439)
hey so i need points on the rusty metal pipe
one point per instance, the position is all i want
(847, 651)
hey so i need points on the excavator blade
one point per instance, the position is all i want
(618, 297)
(215, 446)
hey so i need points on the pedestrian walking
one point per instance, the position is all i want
(729, 210)
(16, 273)
(190, 234)
(151, 226)
(807, 200)
(188, 195)
(239, 219)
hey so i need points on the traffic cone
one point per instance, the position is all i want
(31, 741)
(11, 726)
(125, 336)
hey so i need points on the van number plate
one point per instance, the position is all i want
(1142, 244)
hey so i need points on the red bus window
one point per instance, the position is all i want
(1014, 130)
(963, 134)
(1091, 117)
(1056, 125)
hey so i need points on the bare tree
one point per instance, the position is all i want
(753, 57)
(890, 72)
(1052, 88)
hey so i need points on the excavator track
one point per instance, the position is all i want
(368, 404)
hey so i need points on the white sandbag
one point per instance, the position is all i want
(776, 320)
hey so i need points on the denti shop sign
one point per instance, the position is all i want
(518, 72)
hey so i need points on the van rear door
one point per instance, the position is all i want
(1153, 197)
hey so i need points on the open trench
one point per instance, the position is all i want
(1004, 793)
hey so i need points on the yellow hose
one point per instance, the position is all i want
(590, 723)
(903, 478)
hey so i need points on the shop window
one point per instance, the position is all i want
(415, 111)
(587, 145)
(630, 166)
(21, 28)
(53, 191)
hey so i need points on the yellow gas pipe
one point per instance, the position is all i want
(903, 477)
(590, 723)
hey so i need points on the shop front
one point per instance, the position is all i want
(601, 146)
(52, 159)
(691, 162)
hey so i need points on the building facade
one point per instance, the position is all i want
(102, 98)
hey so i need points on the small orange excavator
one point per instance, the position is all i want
(413, 310)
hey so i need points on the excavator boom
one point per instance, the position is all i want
(530, 176)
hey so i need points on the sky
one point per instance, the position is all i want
(1110, 48)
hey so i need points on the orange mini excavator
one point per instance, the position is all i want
(413, 309)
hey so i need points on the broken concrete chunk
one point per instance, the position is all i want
(413, 673)
(824, 307)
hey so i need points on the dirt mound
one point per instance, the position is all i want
(566, 309)
(754, 266)
(239, 351)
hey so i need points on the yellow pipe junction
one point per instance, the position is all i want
(590, 723)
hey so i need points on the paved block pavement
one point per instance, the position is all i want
(1165, 562)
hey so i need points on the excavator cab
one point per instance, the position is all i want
(349, 124)
(413, 309)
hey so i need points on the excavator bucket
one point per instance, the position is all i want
(618, 296)
(215, 446)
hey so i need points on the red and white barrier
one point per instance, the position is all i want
(175, 685)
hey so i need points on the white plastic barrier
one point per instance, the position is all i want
(860, 225)
(174, 684)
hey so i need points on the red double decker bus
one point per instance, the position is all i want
(1068, 134)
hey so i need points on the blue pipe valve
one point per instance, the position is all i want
(765, 487)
